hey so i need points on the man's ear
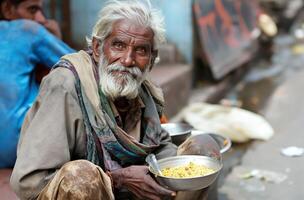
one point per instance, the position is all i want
(154, 56)
(8, 10)
(95, 48)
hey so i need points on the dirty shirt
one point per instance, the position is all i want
(54, 133)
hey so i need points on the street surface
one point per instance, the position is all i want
(274, 90)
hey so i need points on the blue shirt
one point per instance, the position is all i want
(23, 44)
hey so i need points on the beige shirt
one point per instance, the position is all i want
(53, 133)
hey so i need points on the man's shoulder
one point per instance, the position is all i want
(24, 25)
(60, 78)
(155, 91)
(23, 28)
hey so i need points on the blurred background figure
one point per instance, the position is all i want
(28, 9)
(28, 40)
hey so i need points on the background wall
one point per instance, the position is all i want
(84, 15)
(178, 21)
(177, 15)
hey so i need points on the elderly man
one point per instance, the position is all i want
(96, 117)
(26, 41)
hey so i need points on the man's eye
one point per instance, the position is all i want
(141, 50)
(33, 10)
(118, 45)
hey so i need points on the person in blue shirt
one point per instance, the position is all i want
(27, 39)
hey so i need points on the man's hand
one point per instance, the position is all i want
(138, 181)
(53, 27)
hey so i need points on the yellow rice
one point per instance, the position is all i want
(187, 171)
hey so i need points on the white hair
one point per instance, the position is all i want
(120, 85)
(139, 11)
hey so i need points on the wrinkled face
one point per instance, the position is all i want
(28, 9)
(126, 58)
(129, 44)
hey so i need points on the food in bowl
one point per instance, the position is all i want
(187, 171)
(192, 183)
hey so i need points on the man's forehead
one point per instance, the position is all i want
(127, 28)
(32, 2)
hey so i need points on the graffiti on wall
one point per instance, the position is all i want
(225, 29)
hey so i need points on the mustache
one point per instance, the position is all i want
(134, 71)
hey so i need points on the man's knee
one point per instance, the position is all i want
(79, 178)
(79, 171)
(190, 146)
(199, 145)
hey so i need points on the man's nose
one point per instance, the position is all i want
(127, 59)
(40, 18)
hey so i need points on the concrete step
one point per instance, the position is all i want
(175, 80)
(168, 54)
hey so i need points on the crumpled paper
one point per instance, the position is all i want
(237, 124)
(292, 151)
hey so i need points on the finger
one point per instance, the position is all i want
(145, 169)
(159, 189)
(151, 196)
(163, 194)
(143, 193)
(143, 188)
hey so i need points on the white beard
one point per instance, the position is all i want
(114, 84)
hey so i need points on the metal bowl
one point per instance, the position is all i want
(194, 183)
(223, 142)
(179, 132)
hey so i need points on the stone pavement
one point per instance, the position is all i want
(285, 112)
